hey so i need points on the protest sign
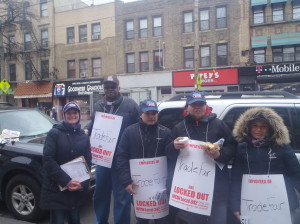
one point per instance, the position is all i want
(104, 138)
(193, 181)
(264, 199)
(150, 201)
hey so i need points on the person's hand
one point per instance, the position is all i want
(130, 188)
(237, 215)
(214, 155)
(74, 185)
(178, 144)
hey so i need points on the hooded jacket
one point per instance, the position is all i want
(276, 151)
(133, 142)
(63, 144)
(208, 129)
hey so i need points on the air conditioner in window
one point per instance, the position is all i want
(95, 36)
(83, 74)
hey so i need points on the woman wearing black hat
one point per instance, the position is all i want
(64, 142)
(264, 149)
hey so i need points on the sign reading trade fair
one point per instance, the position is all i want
(208, 77)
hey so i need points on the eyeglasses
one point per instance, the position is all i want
(110, 87)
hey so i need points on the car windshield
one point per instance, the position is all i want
(27, 122)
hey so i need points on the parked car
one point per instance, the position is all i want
(230, 105)
(21, 161)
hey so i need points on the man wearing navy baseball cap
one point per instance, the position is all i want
(145, 139)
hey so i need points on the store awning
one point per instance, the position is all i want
(277, 1)
(258, 2)
(34, 90)
(261, 41)
(285, 39)
(278, 78)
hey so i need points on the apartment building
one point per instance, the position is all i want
(274, 57)
(161, 46)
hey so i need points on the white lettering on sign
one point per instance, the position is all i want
(207, 76)
(76, 89)
(285, 68)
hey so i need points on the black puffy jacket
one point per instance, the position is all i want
(63, 144)
(208, 129)
(131, 146)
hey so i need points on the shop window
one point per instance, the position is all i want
(71, 69)
(70, 35)
(259, 55)
(28, 71)
(204, 19)
(96, 31)
(143, 29)
(286, 53)
(96, 67)
(130, 63)
(189, 57)
(82, 33)
(43, 8)
(204, 56)
(144, 62)
(296, 9)
(221, 17)
(277, 12)
(12, 72)
(222, 54)
(157, 26)
(129, 30)
(158, 60)
(44, 38)
(83, 102)
(83, 66)
(27, 41)
(258, 14)
(45, 69)
(188, 25)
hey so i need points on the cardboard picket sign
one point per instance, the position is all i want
(104, 138)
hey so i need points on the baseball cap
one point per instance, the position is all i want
(71, 105)
(111, 78)
(195, 97)
(148, 105)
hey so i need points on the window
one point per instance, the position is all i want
(157, 26)
(130, 63)
(286, 54)
(27, 41)
(12, 72)
(296, 10)
(221, 17)
(189, 57)
(71, 69)
(45, 69)
(26, 7)
(143, 32)
(222, 54)
(204, 56)
(277, 12)
(43, 8)
(82, 33)
(70, 35)
(259, 55)
(96, 66)
(204, 19)
(28, 71)
(11, 44)
(83, 66)
(258, 14)
(158, 60)
(188, 22)
(144, 62)
(129, 30)
(96, 31)
(44, 38)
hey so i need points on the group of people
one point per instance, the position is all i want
(259, 145)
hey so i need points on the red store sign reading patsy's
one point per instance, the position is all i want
(209, 77)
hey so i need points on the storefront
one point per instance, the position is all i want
(218, 80)
(280, 77)
(78, 91)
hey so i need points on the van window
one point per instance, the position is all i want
(296, 123)
(170, 117)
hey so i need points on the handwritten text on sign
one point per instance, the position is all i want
(150, 202)
(193, 181)
(104, 138)
(264, 199)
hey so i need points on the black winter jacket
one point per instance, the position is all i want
(131, 146)
(208, 129)
(63, 144)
